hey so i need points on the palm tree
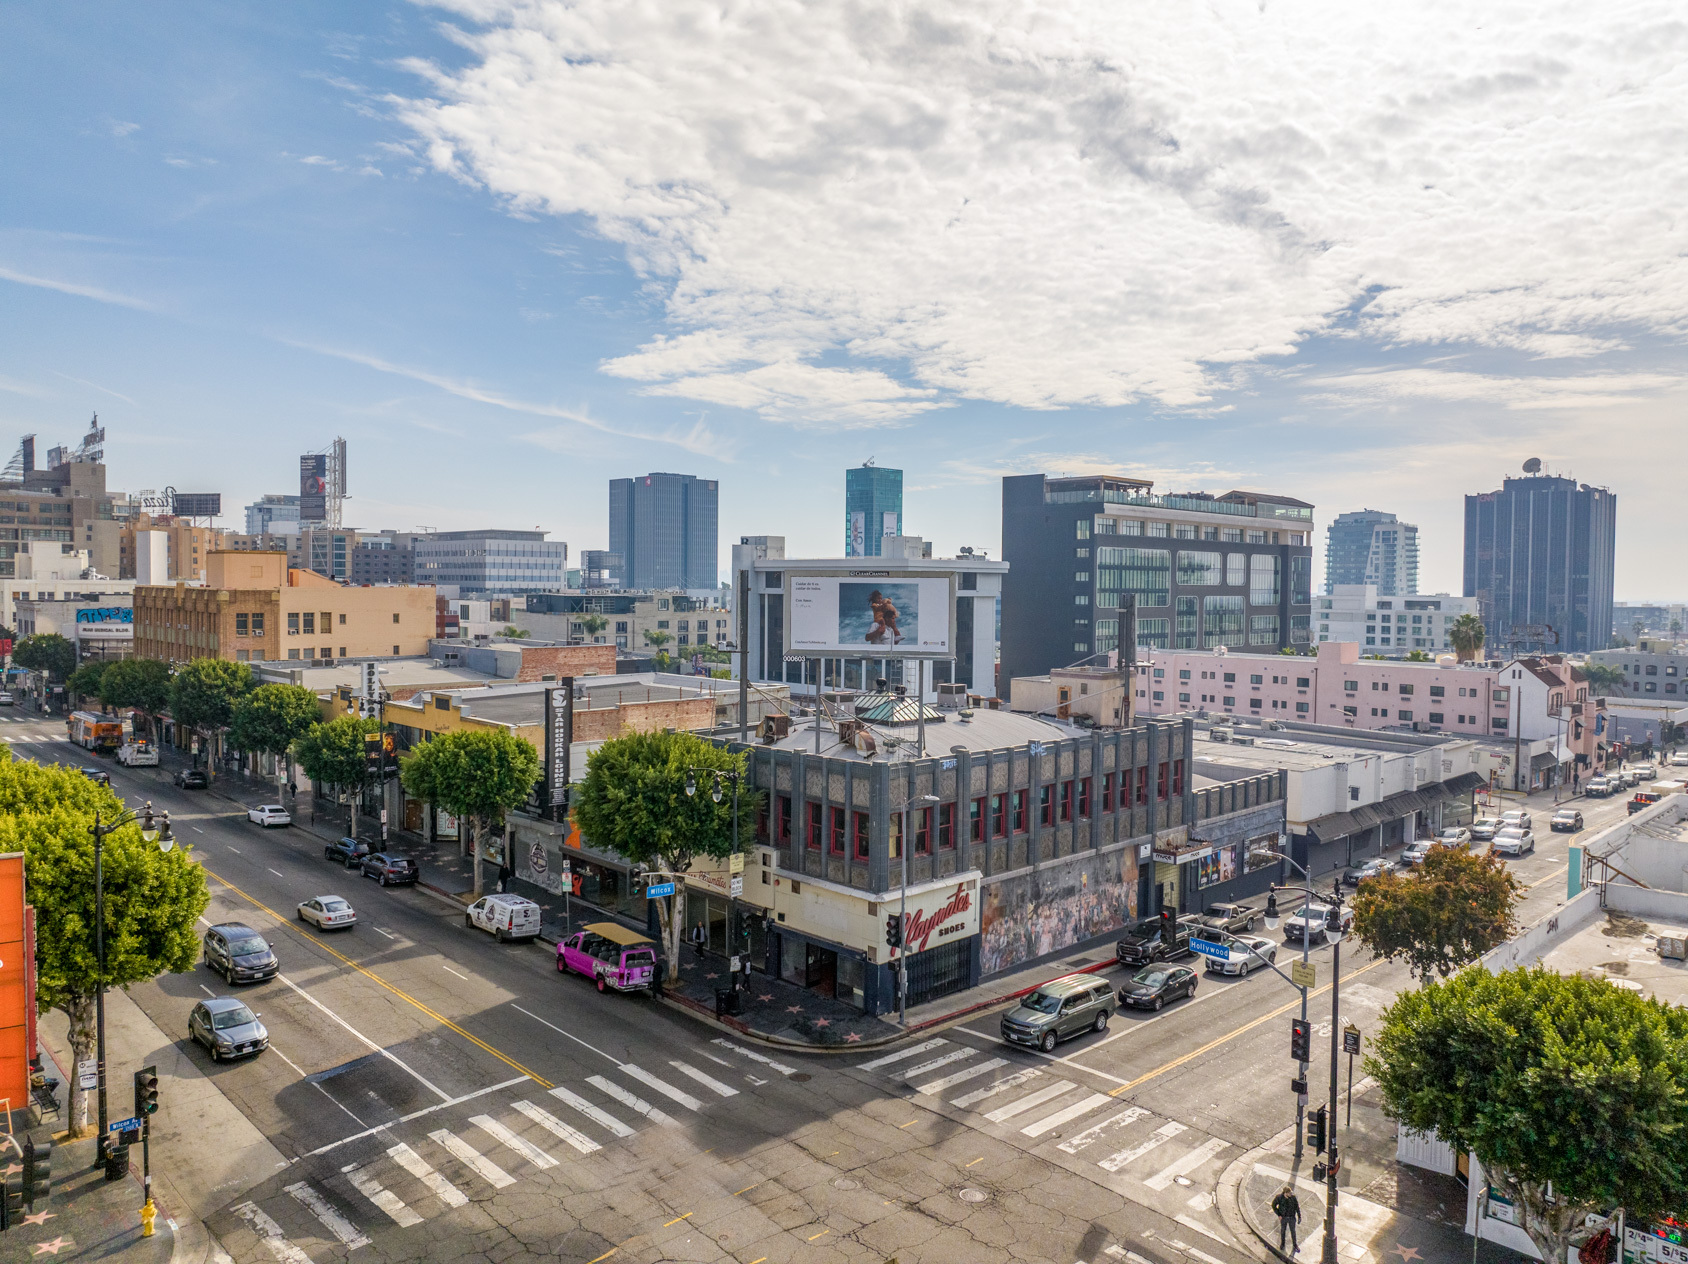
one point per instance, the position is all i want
(1603, 679)
(591, 624)
(1467, 635)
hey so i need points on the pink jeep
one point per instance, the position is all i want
(610, 955)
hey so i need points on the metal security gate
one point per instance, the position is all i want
(938, 971)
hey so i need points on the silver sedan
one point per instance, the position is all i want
(328, 912)
(1242, 959)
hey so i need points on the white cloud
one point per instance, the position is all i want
(1067, 203)
(1394, 386)
(94, 292)
(1168, 480)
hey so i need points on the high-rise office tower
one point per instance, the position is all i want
(1538, 556)
(1372, 547)
(665, 529)
(873, 508)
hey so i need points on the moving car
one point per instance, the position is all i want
(1566, 819)
(1513, 842)
(390, 870)
(348, 851)
(1370, 869)
(1679, 760)
(5, 698)
(1645, 772)
(1153, 939)
(239, 953)
(1229, 918)
(504, 916)
(1310, 922)
(1643, 799)
(1154, 986)
(610, 955)
(227, 1028)
(1247, 951)
(1458, 836)
(139, 753)
(1483, 829)
(1517, 818)
(1414, 853)
(99, 776)
(328, 912)
(1628, 776)
(1059, 1009)
(191, 779)
(1597, 788)
(269, 814)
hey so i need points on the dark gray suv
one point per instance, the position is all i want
(239, 953)
(1059, 1009)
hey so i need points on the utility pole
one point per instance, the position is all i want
(743, 586)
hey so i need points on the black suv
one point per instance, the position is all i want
(239, 953)
(390, 869)
(1153, 939)
(191, 779)
(348, 851)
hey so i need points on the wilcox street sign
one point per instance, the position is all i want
(1209, 949)
(658, 889)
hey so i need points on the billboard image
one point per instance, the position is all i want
(313, 487)
(901, 616)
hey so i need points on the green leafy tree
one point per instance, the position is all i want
(1456, 906)
(710, 654)
(634, 802)
(1467, 635)
(656, 640)
(1551, 1081)
(152, 898)
(84, 682)
(48, 653)
(475, 774)
(140, 684)
(203, 695)
(514, 633)
(332, 753)
(1418, 656)
(271, 718)
(591, 624)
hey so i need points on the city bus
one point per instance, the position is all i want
(92, 730)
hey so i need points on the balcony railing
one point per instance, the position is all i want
(1187, 504)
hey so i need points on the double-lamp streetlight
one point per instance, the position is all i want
(723, 776)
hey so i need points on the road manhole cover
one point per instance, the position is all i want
(973, 1195)
(844, 1182)
(801, 1077)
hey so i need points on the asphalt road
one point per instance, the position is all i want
(437, 1094)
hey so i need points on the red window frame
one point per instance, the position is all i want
(923, 832)
(1046, 804)
(1020, 811)
(1107, 792)
(861, 825)
(1160, 781)
(896, 836)
(814, 831)
(1084, 797)
(1066, 800)
(835, 831)
(976, 821)
(946, 826)
(1177, 778)
(1143, 784)
(784, 839)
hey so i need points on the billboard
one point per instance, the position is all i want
(105, 623)
(198, 504)
(313, 487)
(871, 614)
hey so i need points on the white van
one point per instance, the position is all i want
(139, 753)
(504, 916)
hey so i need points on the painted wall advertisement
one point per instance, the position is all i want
(1032, 915)
(865, 615)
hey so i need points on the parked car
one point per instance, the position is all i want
(1372, 868)
(191, 779)
(348, 851)
(1458, 836)
(268, 815)
(1645, 772)
(1513, 842)
(99, 776)
(1230, 918)
(612, 956)
(1483, 829)
(1153, 986)
(1152, 939)
(1517, 818)
(1060, 1008)
(1629, 776)
(390, 870)
(1414, 853)
(1310, 923)
(227, 1028)
(504, 916)
(239, 953)
(328, 912)
(1566, 819)
(5, 698)
(1247, 951)
(1679, 760)
(1597, 787)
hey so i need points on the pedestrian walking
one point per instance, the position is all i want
(505, 873)
(1287, 1209)
(699, 938)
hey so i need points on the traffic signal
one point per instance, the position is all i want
(894, 931)
(1300, 1040)
(1316, 1128)
(146, 1091)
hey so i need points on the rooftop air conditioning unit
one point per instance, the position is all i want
(952, 697)
(1219, 733)
(865, 744)
(1240, 740)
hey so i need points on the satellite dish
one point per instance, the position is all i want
(1533, 465)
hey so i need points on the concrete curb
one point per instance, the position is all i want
(1234, 1211)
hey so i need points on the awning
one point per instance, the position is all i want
(1547, 759)
(1337, 825)
(1465, 783)
(1366, 816)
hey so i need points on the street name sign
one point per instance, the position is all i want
(1208, 948)
(659, 889)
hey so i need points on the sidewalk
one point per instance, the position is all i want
(84, 1216)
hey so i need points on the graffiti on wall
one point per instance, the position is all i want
(1067, 903)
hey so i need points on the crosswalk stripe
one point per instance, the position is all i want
(889, 1058)
(1066, 1114)
(1000, 1086)
(472, 1159)
(612, 1089)
(597, 1116)
(382, 1197)
(521, 1145)
(557, 1128)
(763, 1058)
(960, 1077)
(269, 1232)
(935, 1063)
(1165, 1133)
(709, 1082)
(1194, 1159)
(330, 1217)
(1004, 1113)
(417, 1166)
(1072, 1145)
(667, 1090)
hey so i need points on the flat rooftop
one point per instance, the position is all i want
(1619, 947)
(987, 730)
(395, 672)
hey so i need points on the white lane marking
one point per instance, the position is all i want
(1048, 1093)
(935, 1063)
(329, 1215)
(638, 1103)
(1120, 1253)
(207, 991)
(278, 873)
(472, 1159)
(715, 1060)
(1193, 1252)
(1066, 1114)
(414, 1163)
(1072, 1145)
(379, 931)
(1000, 1086)
(889, 1058)
(1053, 1057)
(449, 970)
(385, 1053)
(577, 1040)
(597, 1116)
(1190, 1222)
(960, 1077)
(521, 1145)
(708, 1081)
(381, 1196)
(1161, 1135)
(1194, 1159)
(235, 850)
(557, 1128)
(318, 1087)
(667, 1090)
(197, 830)
(763, 1058)
(415, 1114)
(270, 1233)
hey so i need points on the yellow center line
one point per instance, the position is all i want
(763, 1260)
(980, 1159)
(1232, 1035)
(398, 992)
(821, 1234)
(747, 1189)
(1550, 877)
(678, 1219)
(900, 1127)
(605, 1255)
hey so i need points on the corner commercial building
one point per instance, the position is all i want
(1372, 547)
(665, 528)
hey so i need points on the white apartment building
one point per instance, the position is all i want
(1391, 626)
(47, 570)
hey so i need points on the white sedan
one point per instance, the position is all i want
(269, 814)
(1242, 959)
(328, 912)
(1513, 842)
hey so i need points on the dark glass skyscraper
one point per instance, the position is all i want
(665, 529)
(1539, 554)
(873, 509)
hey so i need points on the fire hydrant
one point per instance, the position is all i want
(149, 1213)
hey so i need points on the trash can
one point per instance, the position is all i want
(117, 1163)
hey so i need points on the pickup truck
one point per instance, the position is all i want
(138, 754)
(1149, 941)
(1310, 923)
(1229, 918)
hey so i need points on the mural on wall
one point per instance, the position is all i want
(1029, 916)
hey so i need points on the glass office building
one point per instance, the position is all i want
(873, 509)
(665, 530)
(491, 561)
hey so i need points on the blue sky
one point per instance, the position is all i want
(511, 252)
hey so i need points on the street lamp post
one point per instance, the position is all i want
(1272, 919)
(735, 776)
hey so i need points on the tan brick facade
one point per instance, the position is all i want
(540, 661)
